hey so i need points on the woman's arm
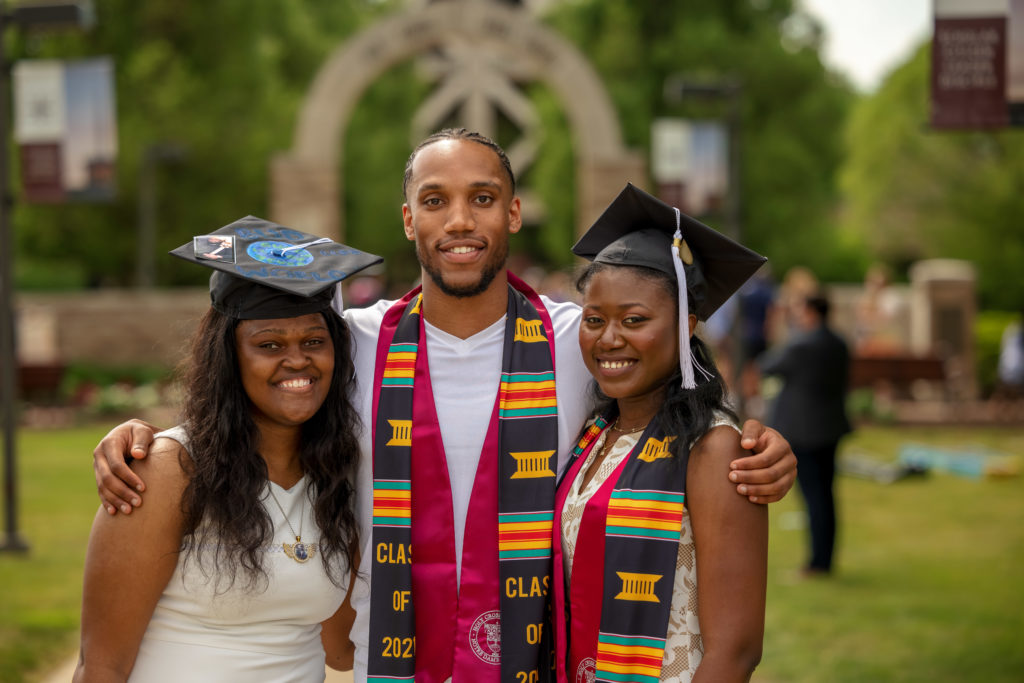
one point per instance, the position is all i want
(731, 539)
(335, 632)
(127, 566)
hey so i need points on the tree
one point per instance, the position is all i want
(223, 81)
(911, 192)
(792, 108)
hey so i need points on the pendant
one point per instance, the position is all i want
(300, 552)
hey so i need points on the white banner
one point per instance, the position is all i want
(40, 111)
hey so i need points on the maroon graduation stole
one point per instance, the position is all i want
(631, 529)
(489, 627)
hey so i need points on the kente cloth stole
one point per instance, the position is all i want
(631, 527)
(490, 626)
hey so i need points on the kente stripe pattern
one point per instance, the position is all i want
(526, 395)
(392, 503)
(654, 515)
(592, 433)
(400, 366)
(629, 659)
(525, 535)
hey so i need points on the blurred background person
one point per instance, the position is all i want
(810, 411)
(798, 283)
(877, 315)
(717, 332)
(1011, 360)
(756, 300)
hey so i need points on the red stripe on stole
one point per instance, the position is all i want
(634, 659)
(530, 393)
(660, 515)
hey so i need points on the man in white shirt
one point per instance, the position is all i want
(460, 211)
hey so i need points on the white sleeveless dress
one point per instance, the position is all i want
(267, 634)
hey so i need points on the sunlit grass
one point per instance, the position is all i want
(928, 587)
(39, 610)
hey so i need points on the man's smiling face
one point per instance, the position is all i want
(460, 211)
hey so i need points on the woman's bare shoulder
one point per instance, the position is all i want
(720, 443)
(166, 463)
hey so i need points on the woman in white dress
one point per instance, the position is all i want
(659, 570)
(238, 566)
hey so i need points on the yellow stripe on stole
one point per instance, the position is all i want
(522, 404)
(524, 526)
(523, 545)
(638, 523)
(528, 386)
(659, 505)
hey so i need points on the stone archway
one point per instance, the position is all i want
(307, 183)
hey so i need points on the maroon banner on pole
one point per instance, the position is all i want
(41, 175)
(969, 73)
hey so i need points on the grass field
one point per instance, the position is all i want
(41, 590)
(929, 587)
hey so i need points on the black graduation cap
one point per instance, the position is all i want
(636, 230)
(263, 270)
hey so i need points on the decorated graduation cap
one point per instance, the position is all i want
(264, 270)
(638, 229)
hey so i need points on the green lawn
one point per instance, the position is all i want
(42, 590)
(929, 586)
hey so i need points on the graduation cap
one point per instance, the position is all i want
(264, 270)
(638, 229)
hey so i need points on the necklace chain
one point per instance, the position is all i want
(299, 551)
(629, 430)
(298, 536)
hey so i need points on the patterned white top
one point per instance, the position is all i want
(684, 646)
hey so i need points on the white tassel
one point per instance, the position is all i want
(686, 361)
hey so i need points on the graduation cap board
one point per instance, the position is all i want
(638, 229)
(263, 270)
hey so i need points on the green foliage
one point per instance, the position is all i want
(791, 109)
(103, 375)
(221, 81)
(553, 180)
(911, 192)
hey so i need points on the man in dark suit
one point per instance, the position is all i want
(810, 412)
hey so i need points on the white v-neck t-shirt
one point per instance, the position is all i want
(464, 375)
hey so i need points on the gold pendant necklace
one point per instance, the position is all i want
(298, 551)
(631, 430)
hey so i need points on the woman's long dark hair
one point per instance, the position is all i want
(225, 525)
(685, 413)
